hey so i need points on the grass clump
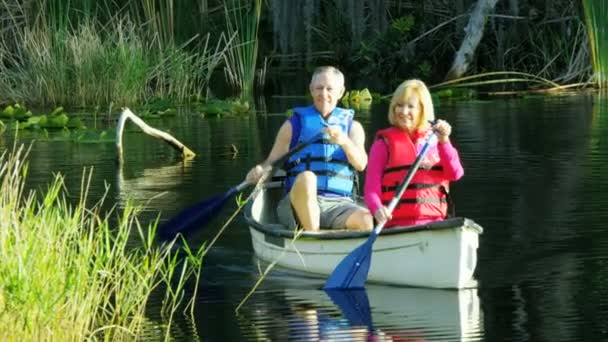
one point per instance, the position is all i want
(92, 60)
(67, 275)
(597, 27)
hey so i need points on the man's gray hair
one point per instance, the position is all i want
(328, 69)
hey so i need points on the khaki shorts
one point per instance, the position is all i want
(334, 211)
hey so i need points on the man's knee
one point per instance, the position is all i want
(304, 186)
(360, 220)
(306, 178)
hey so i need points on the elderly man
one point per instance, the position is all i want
(320, 177)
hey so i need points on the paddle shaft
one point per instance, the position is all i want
(283, 159)
(243, 185)
(406, 181)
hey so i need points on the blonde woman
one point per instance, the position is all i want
(394, 151)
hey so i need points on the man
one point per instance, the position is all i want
(320, 178)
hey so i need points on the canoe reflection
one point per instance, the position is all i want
(385, 314)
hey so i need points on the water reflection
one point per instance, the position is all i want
(156, 187)
(378, 313)
(534, 177)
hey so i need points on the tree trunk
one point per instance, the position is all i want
(473, 35)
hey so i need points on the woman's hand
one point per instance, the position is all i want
(382, 214)
(443, 130)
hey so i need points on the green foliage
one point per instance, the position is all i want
(17, 112)
(22, 118)
(455, 94)
(68, 274)
(596, 19)
(403, 25)
(222, 108)
(243, 21)
(382, 57)
(86, 53)
(101, 57)
(95, 136)
(357, 99)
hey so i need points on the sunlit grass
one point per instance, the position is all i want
(596, 19)
(67, 274)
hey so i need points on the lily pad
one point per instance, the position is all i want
(75, 123)
(57, 121)
(96, 137)
(57, 111)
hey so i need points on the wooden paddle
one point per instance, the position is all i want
(203, 212)
(351, 272)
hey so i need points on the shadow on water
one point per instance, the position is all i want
(534, 179)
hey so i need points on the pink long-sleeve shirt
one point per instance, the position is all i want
(378, 158)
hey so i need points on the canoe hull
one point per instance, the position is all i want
(442, 255)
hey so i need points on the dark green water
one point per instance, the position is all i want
(533, 180)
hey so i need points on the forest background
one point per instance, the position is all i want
(86, 53)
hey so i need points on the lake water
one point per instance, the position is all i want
(533, 180)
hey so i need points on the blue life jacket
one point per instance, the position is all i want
(328, 161)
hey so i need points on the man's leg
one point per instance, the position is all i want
(343, 213)
(360, 219)
(303, 197)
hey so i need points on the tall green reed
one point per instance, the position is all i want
(242, 22)
(159, 19)
(86, 62)
(68, 274)
(596, 19)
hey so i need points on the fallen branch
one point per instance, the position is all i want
(168, 138)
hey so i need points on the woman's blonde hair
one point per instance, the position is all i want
(418, 88)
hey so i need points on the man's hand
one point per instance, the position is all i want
(254, 175)
(336, 136)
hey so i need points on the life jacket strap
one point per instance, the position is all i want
(326, 173)
(407, 167)
(308, 160)
(419, 201)
(415, 186)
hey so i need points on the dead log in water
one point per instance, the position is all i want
(187, 154)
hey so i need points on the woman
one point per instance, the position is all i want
(394, 151)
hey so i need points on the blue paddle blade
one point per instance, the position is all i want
(351, 272)
(195, 216)
(354, 306)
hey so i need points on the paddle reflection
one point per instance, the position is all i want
(309, 323)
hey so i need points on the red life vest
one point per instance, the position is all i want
(426, 196)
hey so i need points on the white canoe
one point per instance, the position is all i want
(441, 254)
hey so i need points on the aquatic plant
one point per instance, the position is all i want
(242, 21)
(596, 19)
(357, 99)
(497, 78)
(69, 62)
(69, 274)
